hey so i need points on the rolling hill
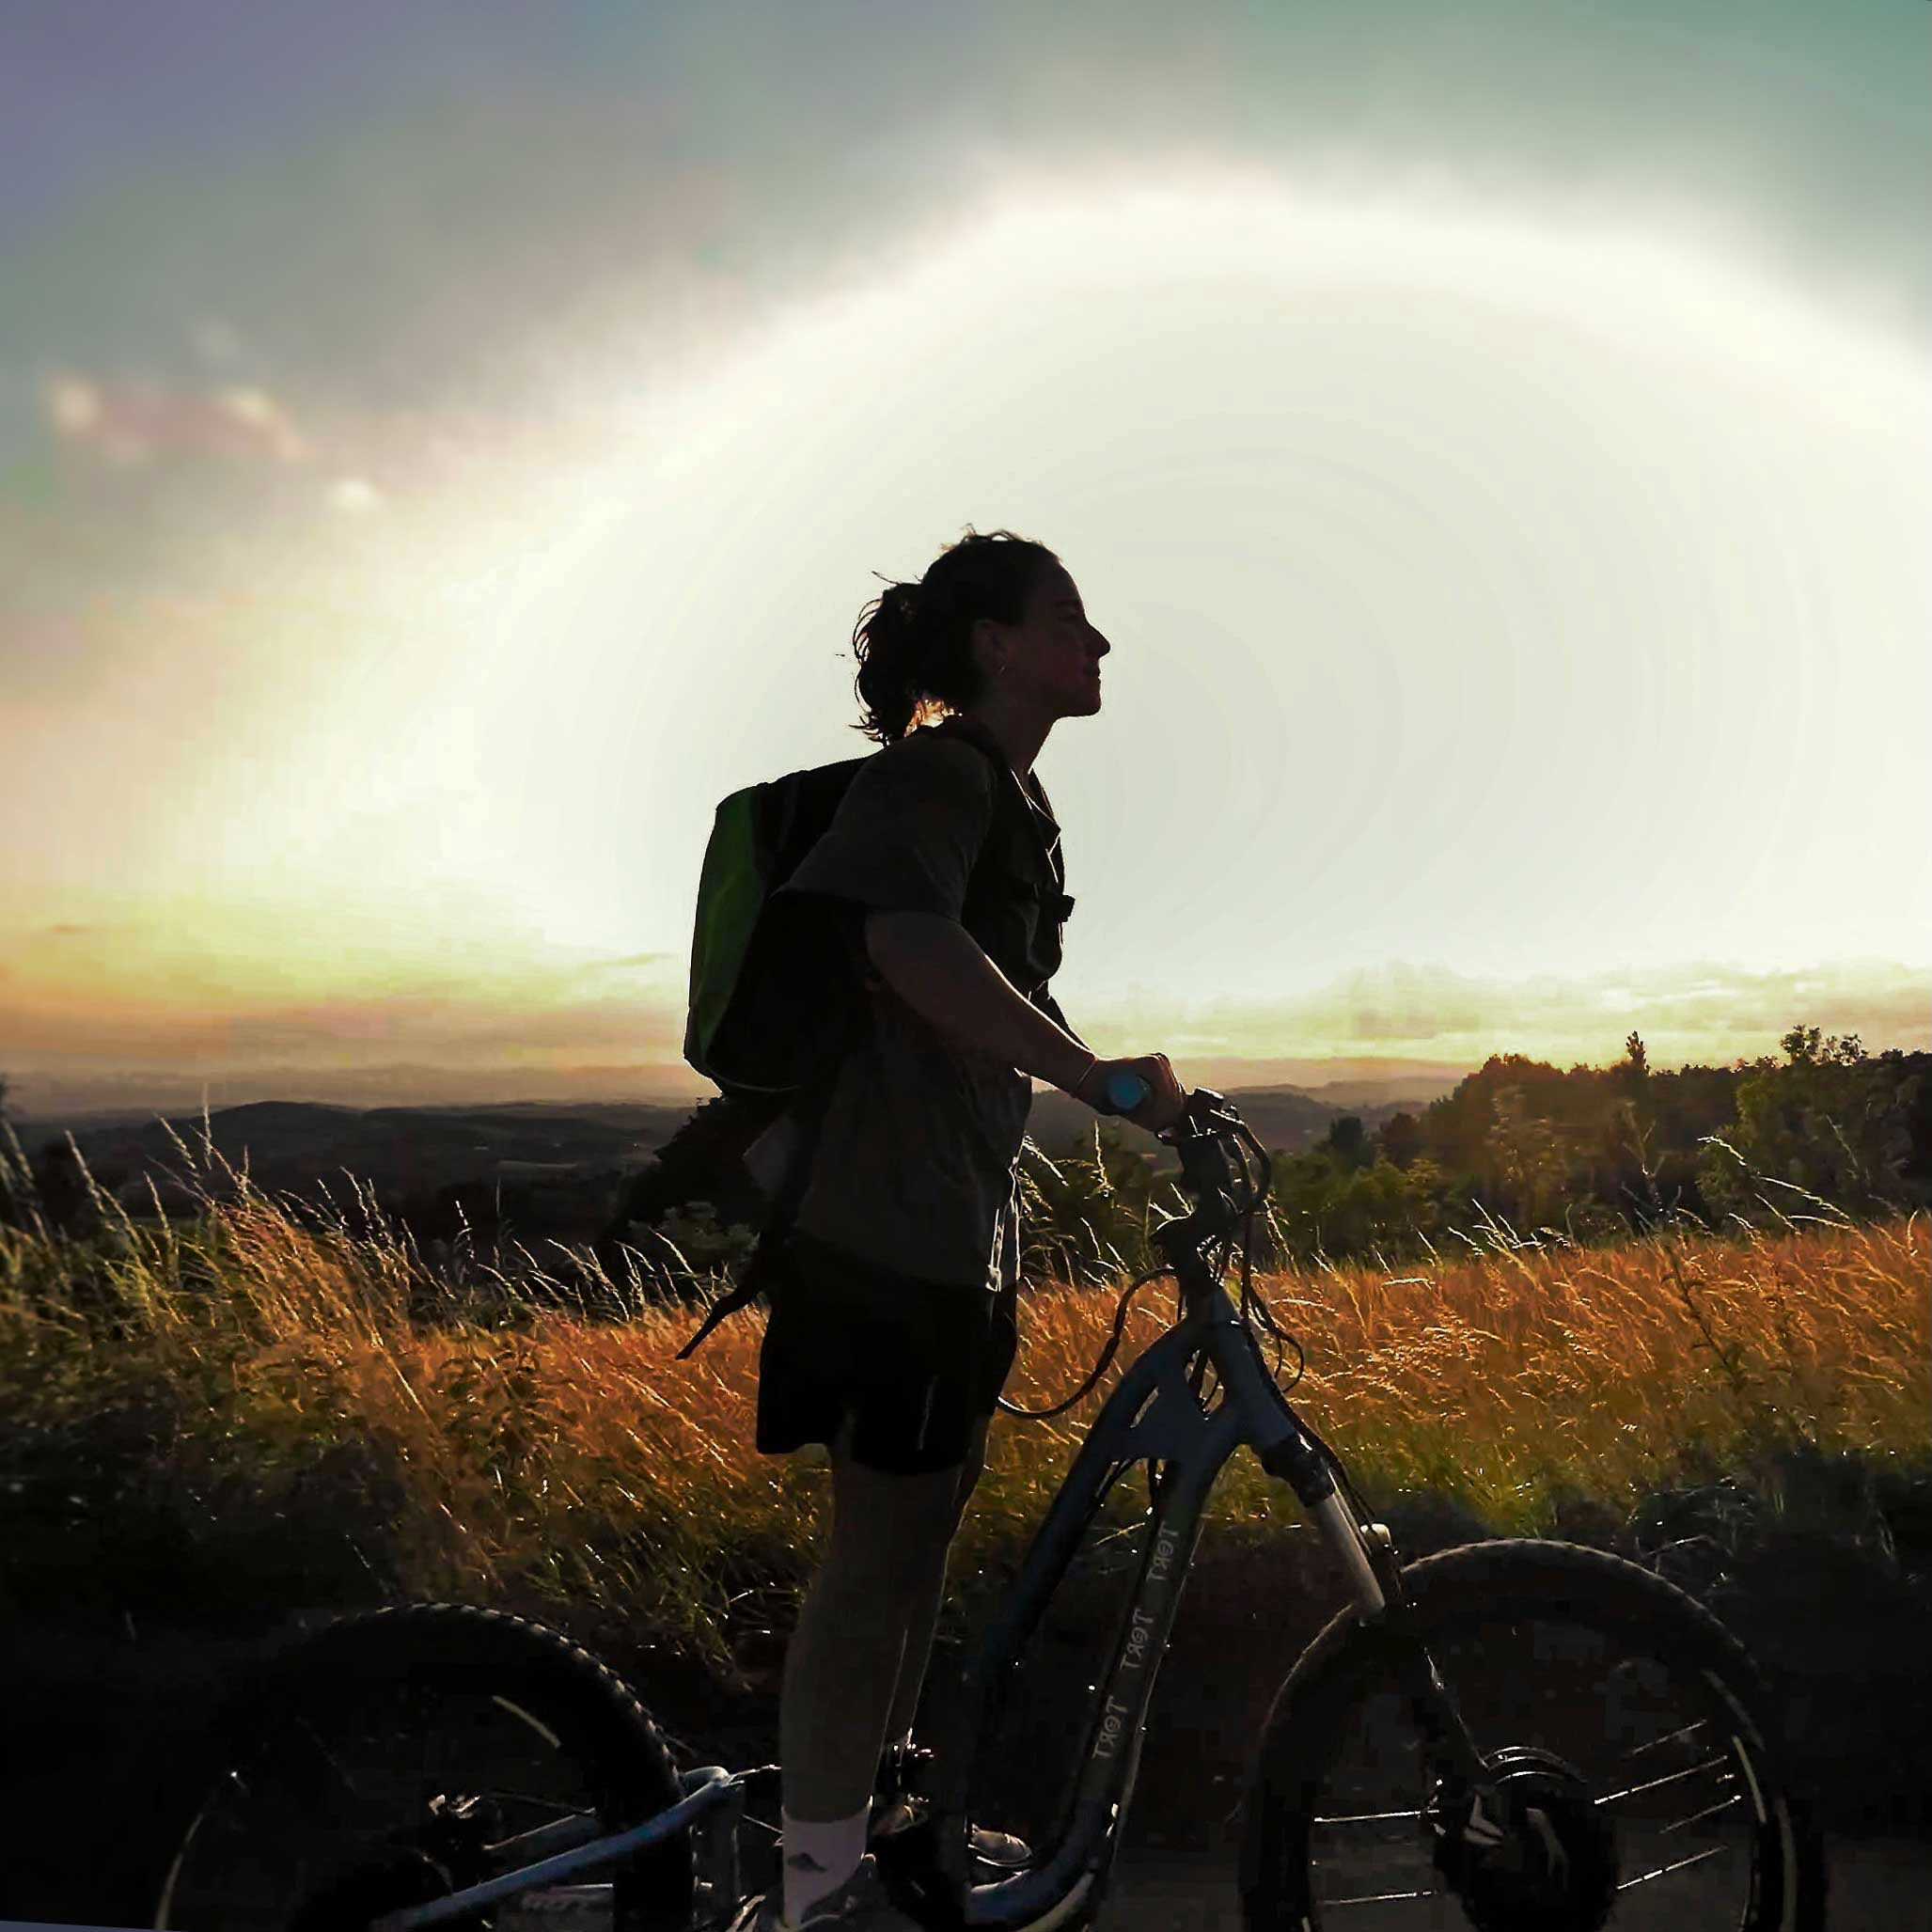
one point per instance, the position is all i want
(415, 1151)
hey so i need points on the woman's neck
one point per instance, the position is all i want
(1020, 733)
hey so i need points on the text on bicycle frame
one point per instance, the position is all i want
(1113, 1721)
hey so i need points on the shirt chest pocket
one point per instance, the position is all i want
(1015, 908)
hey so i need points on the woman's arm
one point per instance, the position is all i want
(1050, 1006)
(937, 966)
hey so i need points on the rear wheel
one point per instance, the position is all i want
(388, 1761)
(1630, 1735)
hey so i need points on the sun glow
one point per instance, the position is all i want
(1358, 488)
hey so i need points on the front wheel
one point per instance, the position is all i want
(395, 1758)
(1627, 1732)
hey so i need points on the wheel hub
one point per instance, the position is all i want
(1546, 1863)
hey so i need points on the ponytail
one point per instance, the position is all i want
(914, 642)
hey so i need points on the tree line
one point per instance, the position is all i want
(1520, 1150)
(1524, 1149)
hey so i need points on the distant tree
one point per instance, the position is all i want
(1803, 1048)
(1325, 1208)
(1530, 1158)
(1458, 1127)
(9, 1185)
(1682, 1108)
(1402, 1140)
(1831, 1121)
(1636, 1066)
(1347, 1142)
(62, 1187)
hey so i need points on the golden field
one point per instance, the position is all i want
(181, 1398)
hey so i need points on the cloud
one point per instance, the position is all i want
(217, 341)
(627, 962)
(193, 984)
(128, 423)
(354, 496)
(555, 1035)
(470, 1030)
(1693, 1013)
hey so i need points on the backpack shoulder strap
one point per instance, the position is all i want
(743, 1296)
(1010, 794)
(810, 1110)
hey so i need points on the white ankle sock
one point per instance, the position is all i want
(819, 1858)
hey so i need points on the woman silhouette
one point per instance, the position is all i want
(894, 1291)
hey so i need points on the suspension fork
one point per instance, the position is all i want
(1367, 1552)
(1452, 1752)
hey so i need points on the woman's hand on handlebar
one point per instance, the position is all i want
(1163, 1101)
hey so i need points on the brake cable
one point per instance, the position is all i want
(1254, 1304)
(1216, 1265)
(1107, 1354)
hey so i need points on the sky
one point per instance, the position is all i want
(445, 448)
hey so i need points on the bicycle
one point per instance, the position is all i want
(1487, 1800)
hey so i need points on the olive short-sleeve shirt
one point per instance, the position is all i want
(915, 1169)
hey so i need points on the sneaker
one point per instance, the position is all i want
(859, 1905)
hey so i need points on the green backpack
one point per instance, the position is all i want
(773, 986)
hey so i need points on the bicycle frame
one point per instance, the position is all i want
(1151, 1415)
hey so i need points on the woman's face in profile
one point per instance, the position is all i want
(1054, 656)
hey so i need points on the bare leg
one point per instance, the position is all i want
(924, 1618)
(885, 1562)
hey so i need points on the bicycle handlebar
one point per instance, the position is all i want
(1227, 1173)
(1123, 1092)
(1205, 1122)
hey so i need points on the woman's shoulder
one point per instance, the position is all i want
(930, 757)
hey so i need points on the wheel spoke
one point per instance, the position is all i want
(1677, 1736)
(314, 1754)
(1724, 1804)
(1716, 1763)
(1696, 1858)
(536, 1724)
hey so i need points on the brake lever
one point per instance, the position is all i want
(1206, 1116)
(1204, 1103)
(1201, 1136)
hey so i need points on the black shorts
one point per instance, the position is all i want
(916, 1364)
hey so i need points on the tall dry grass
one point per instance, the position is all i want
(227, 1379)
